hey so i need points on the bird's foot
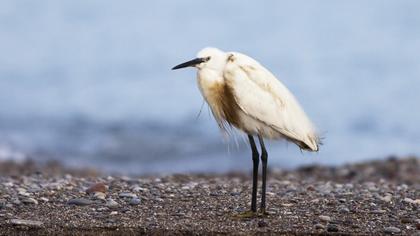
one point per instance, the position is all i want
(245, 215)
(262, 212)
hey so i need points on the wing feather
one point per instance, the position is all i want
(262, 96)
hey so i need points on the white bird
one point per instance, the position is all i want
(244, 94)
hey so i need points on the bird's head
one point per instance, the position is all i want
(209, 58)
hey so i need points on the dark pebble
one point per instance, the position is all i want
(79, 202)
(135, 201)
(343, 210)
(235, 194)
(262, 224)
(332, 228)
(406, 220)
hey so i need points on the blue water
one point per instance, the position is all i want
(89, 82)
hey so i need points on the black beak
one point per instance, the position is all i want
(193, 62)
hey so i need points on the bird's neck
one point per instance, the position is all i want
(207, 79)
(207, 75)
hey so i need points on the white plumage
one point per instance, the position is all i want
(244, 94)
(266, 106)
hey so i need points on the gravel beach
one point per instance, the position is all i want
(378, 197)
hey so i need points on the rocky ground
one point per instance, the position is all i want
(381, 197)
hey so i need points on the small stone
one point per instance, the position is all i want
(24, 193)
(408, 200)
(127, 195)
(392, 230)
(29, 201)
(378, 211)
(111, 203)
(185, 187)
(235, 194)
(343, 210)
(98, 187)
(311, 188)
(137, 188)
(79, 202)
(134, 201)
(262, 224)
(113, 213)
(21, 190)
(319, 226)
(316, 200)
(99, 195)
(17, 202)
(406, 220)
(411, 201)
(332, 228)
(29, 223)
(387, 198)
(418, 226)
(325, 218)
(44, 199)
(34, 189)
(287, 204)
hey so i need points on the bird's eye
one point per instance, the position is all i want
(207, 58)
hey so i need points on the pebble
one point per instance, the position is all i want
(319, 226)
(44, 199)
(262, 224)
(310, 188)
(29, 201)
(24, 193)
(316, 200)
(411, 201)
(387, 198)
(235, 194)
(134, 201)
(332, 228)
(127, 195)
(113, 213)
(111, 203)
(30, 223)
(378, 211)
(98, 187)
(342, 200)
(406, 220)
(137, 188)
(392, 230)
(325, 218)
(17, 202)
(99, 195)
(34, 189)
(343, 209)
(79, 202)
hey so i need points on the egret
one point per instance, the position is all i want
(242, 93)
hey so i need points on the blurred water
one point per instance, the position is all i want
(89, 82)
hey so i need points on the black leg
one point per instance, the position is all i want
(264, 157)
(255, 160)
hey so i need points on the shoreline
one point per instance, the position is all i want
(376, 197)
